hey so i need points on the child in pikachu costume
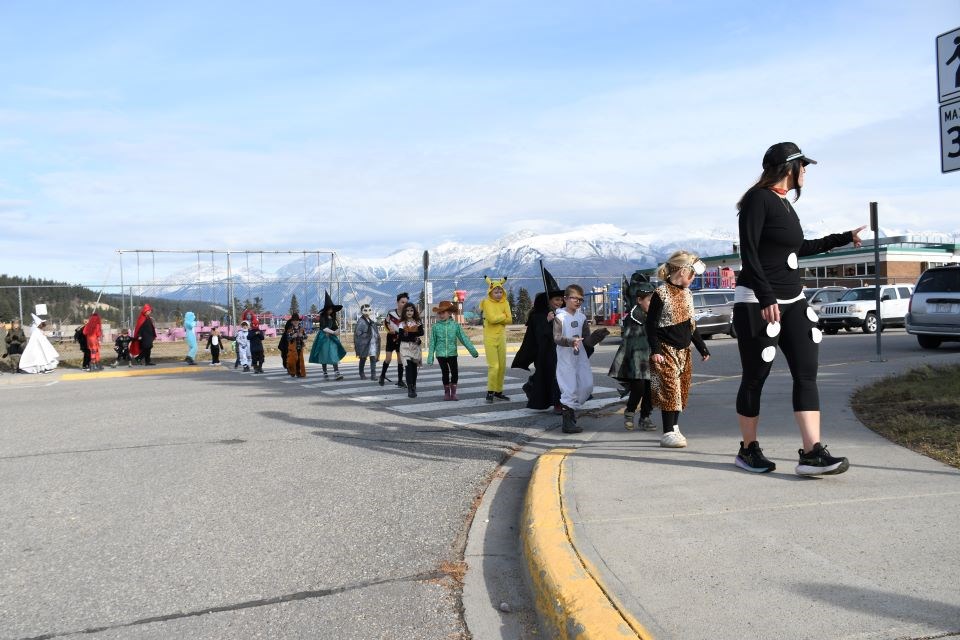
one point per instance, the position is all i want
(496, 316)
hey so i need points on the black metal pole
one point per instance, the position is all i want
(875, 227)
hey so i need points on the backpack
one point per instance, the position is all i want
(78, 335)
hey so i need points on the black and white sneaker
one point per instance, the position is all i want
(819, 462)
(489, 397)
(751, 459)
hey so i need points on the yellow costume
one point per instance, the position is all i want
(496, 316)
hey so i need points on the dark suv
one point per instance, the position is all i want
(934, 314)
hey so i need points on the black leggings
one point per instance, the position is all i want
(795, 341)
(411, 374)
(257, 357)
(639, 396)
(449, 371)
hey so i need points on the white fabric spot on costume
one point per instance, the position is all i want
(816, 335)
(768, 354)
(812, 315)
(773, 329)
(792, 261)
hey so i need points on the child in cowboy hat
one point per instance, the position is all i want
(443, 343)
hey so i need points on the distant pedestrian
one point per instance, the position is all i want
(410, 334)
(670, 329)
(190, 336)
(242, 344)
(496, 316)
(327, 348)
(538, 348)
(445, 334)
(770, 310)
(121, 347)
(631, 364)
(366, 341)
(144, 333)
(574, 377)
(392, 324)
(81, 339)
(215, 344)
(93, 333)
(256, 337)
(15, 341)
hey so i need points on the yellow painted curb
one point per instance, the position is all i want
(570, 599)
(139, 371)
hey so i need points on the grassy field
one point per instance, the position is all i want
(919, 410)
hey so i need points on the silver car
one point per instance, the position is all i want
(713, 312)
(934, 314)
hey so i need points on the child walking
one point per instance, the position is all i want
(631, 364)
(255, 336)
(443, 342)
(392, 323)
(243, 345)
(215, 345)
(366, 341)
(327, 348)
(670, 330)
(411, 353)
(574, 377)
(296, 337)
(496, 315)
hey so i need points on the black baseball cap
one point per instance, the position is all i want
(784, 152)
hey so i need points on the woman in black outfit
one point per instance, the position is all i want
(770, 309)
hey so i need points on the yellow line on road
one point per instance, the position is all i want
(139, 371)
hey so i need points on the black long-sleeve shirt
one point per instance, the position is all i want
(769, 232)
(670, 320)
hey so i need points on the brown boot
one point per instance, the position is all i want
(446, 392)
(453, 392)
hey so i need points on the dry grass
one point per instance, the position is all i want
(919, 410)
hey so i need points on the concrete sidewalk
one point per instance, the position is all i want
(625, 539)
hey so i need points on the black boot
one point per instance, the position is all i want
(363, 370)
(383, 373)
(400, 382)
(373, 369)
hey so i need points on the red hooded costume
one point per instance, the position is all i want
(144, 318)
(93, 331)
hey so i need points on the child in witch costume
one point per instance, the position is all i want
(190, 336)
(366, 341)
(94, 334)
(538, 348)
(255, 336)
(122, 347)
(327, 348)
(631, 366)
(496, 315)
(392, 323)
(410, 335)
(443, 342)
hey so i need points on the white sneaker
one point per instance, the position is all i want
(673, 439)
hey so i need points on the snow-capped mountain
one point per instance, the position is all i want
(591, 255)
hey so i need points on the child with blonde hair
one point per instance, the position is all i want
(671, 328)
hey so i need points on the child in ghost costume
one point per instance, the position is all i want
(574, 377)
(496, 316)
(189, 326)
(366, 341)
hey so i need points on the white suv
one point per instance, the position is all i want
(858, 308)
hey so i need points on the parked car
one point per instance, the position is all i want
(713, 312)
(934, 312)
(857, 308)
(818, 297)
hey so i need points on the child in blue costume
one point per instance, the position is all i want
(327, 348)
(189, 325)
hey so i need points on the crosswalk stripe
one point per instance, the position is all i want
(342, 389)
(426, 407)
(435, 393)
(499, 416)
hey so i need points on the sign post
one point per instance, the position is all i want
(875, 227)
(948, 94)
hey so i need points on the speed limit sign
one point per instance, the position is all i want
(950, 136)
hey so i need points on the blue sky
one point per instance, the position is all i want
(385, 125)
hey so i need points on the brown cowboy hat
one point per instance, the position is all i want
(446, 305)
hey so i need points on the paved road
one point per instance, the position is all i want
(214, 504)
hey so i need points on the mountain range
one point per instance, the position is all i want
(590, 255)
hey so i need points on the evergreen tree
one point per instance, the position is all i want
(258, 304)
(294, 305)
(524, 305)
(314, 310)
(513, 304)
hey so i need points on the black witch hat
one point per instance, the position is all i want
(639, 283)
(328, 303)
(550, 283)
